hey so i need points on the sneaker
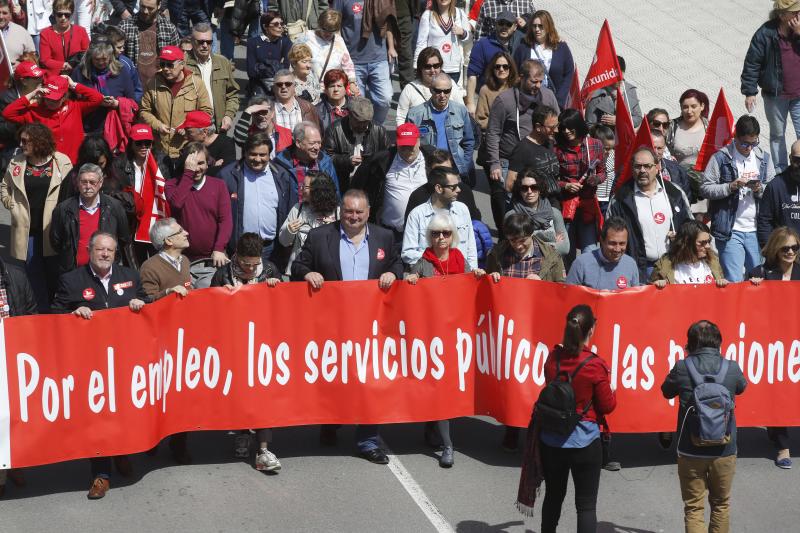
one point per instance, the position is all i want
(266, 461)
(612, 466)
(241, 446)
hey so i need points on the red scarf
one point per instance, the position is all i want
(454, 264)
(151, 203)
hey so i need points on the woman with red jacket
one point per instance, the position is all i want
(50, 106)
(579, 452)
(60, 45)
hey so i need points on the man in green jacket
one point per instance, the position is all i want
(216, 72)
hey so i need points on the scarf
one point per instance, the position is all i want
(526, 102)
(454, 264)
(100, 78)
(542, 216)
(238, 275)
(531, 474)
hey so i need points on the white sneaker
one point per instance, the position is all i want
(266, 460)
(241, 445)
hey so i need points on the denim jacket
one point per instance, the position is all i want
(722, 202)
(460, 135)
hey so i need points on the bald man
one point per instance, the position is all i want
(780, 204)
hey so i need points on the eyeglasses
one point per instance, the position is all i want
(441, 91)
(203, 41)
(704, 243)
(432, 66)
(643, 166)
(659, 124)
(63, 14)
(503, 24)
(441, 233)
(452, 187)
(501, 66)
(283, 84)
(529, 188)
(793, 248)
(181, 230)
(145, 143)
(747, 145)
(167, 64)
(249, 266)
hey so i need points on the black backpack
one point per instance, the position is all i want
(555, 410)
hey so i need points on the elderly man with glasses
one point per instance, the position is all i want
(216, 72)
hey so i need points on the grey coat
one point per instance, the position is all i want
(603, 102)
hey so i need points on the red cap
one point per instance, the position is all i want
(28, 69)
(407, 134)
(141, 132)
(57, 87)
(171, 53)
(196, 119)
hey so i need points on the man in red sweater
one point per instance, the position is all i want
(50, 106)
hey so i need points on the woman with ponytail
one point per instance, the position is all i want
(549, 456)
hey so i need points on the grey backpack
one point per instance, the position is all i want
(710, 415)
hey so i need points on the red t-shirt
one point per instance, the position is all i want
(88, 224)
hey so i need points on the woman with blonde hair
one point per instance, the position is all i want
(306, 83)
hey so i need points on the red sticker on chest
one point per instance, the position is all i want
(659, 218)
(17, 170)
(446, 48)
(622, 283)
(709, 278)
(358, 8)
(88, 294)
(381, 254)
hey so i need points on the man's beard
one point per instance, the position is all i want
(793, 173)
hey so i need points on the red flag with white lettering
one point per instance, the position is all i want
(719, 132)
(5, 62)
(623, 145)
(605, 69)
(643, 139)
(574, 100)
(151, 202)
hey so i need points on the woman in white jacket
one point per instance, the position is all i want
(444, 27)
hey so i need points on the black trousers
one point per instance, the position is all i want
(405, 52)
(585, 464)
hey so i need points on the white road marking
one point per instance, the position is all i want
(417, 494)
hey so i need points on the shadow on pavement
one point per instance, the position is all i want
(476, 526)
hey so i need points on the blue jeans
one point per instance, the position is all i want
(739, 255)
(367, 438)
(375, 82)
(777, 109)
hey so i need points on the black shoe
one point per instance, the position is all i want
(375, 456)
(327, 436)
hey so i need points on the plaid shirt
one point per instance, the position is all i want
(166, 35)
(574, 163)
(514, 267)
(491, 8)
(288, 118)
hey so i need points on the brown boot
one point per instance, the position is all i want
(99, 488)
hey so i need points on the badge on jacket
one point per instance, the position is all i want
(88, 294)
(380, 255)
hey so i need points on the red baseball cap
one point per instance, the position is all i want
(407, 134)
(57, 87)
(28, 69)
(141, 132)
(196, 119)
(171, 53)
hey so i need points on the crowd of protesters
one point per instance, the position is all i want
(131, 174)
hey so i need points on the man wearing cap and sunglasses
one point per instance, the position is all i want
(217, 74)
(175, 92)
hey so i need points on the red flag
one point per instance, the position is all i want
(719, 132)
(605, 69)
(151, 203)
(5, 62)
(643, 139)
(574, 100)
(623, 144)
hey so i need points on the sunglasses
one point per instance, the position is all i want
(501, 66)
(203, 41)
(793, 248)
(747, 145)
(443, 233)
(167, 64)
(643, 166)
(704, 243)
(452, 187)
(503, 24)
(529, 188)
(277, 24)
(659, 124)
(283, 84)
(146, 144)
(432, 66)
(441, 91)
(63, 15)
(537, 26)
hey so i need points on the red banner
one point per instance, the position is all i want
(351, 353)
(719, 132)
(605, 69)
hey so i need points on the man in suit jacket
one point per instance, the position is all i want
(350, 250)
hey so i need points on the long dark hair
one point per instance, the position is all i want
(683, 248)
(491, 80)
(580, 321)
(323, 199)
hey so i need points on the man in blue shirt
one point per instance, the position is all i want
(371, 56)
(606, 268)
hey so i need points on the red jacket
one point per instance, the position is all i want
(590, 383)
(53, 46)
(65, 123)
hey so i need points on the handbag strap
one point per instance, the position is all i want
(330, 51)
(308, 10)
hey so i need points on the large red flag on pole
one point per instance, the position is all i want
(643, 139)
(625, 137)
(574, 100)
(719, 132)
(605, 69)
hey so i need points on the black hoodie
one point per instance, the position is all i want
(780, 205)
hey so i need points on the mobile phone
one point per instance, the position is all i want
(752, 183)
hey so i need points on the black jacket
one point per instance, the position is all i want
(772, 273)
(762, 65)
(65, 228)
(19, 294)
(320, 253)
(679, 176)
(340, 140)
(623, 205)
(82, 288)
(224, 274)
(779, 206)
(371, 178)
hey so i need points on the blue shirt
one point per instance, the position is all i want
(583, 435)
(362, 51)
(439, 119)
(353, 259)
(595, 271)
(260, 203)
